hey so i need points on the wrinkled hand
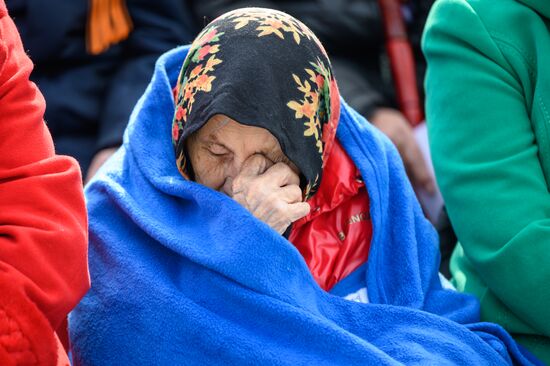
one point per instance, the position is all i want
(270, 192)
(394, 125)
(99, 159)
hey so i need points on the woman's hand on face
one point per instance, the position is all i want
(271, 192)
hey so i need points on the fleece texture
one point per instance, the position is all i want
(183, 275)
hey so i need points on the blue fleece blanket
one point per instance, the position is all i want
(183, 275)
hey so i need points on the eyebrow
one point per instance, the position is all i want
(213, 138)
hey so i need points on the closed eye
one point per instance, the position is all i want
(218, 150)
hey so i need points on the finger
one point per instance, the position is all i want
(251, 169)
(290, 194)
(298, 210)
(417, 168)
(255, 165)
(281, 175)
(227, 186)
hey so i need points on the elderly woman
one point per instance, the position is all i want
(281, 231)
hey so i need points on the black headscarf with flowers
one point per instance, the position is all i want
(261, 68)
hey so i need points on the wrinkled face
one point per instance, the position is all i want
(220, 147)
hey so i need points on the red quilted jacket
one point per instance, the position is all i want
(43, 224)
(335, 237)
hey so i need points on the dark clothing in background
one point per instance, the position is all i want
(89, 98)
(353, 35)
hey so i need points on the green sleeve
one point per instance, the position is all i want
(486, 159)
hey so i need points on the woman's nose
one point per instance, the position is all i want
(234, 167)
(231, 171)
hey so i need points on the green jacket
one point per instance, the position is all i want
(488, 113)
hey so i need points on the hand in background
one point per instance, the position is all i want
(394, 125)
(99, 159)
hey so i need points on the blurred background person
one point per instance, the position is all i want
(488, 101)
(43, 223)
(93, 60)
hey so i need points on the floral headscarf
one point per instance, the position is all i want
(262, 68)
